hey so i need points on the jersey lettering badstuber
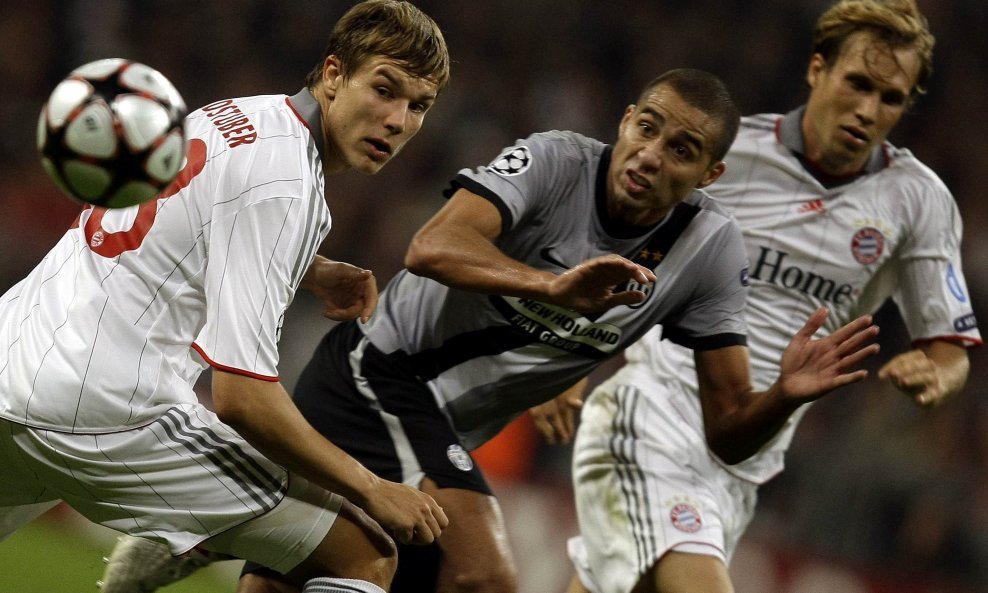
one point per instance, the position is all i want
(114, 325)
(488, 358)
(892, 233)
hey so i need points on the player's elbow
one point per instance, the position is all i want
(727, 452)
(423, 258)
(230, 410)
(232, 404)
(726, 445)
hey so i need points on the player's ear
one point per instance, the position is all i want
(628, 112)
(332, 76)
(816, 66)
(712, 174)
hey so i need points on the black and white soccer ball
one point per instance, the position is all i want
(112, 133)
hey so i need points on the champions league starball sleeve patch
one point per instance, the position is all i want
(513, 161)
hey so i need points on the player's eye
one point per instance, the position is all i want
(683, 152)
(859, 83)
(894, 99)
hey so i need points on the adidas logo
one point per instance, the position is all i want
(812, 206)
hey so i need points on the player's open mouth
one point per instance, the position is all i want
(855, 134)
(379, 149)
(636, 183)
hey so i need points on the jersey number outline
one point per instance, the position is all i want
(111, 245)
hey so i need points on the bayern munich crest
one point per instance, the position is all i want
(460, 459)
(867, 245)
(513, 161)
(686, 518)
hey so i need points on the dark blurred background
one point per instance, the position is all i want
(878, 496)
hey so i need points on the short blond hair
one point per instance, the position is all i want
(896, 22)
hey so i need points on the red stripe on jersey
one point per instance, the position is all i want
(233, 370)
(962, 341)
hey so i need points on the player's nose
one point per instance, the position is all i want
(397, 118)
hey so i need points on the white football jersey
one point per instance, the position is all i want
(118, 320)
(846, 244)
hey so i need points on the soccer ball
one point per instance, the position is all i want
(112, 133)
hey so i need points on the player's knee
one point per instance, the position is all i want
(499, 578)
(385, 563)
(384, 567)
(377, 567)
(263, 583)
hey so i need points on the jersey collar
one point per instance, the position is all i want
(789, 132)
(307, 109)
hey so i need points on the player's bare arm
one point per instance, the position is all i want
(456, 248)
(346, 290)
(263, 413)
(739, 421)
(930, 374)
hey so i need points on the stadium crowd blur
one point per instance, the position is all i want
(878, 496)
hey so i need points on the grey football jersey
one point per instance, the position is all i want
(487, 358)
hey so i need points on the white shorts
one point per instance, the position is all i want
(645, 484)
(13, 518)
(180, 480)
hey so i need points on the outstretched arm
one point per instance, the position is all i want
(930, 374)
(456, 248)
(739, 421)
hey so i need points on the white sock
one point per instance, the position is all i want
(331, 585)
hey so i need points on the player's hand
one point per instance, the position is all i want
(346, 290)
(812, 367)
(412, 516)
(916, 375)
(556, 419)
(590, 286)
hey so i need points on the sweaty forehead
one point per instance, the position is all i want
(398, 73)
(867, 54)
(679, 116)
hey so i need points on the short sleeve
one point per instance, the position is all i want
(257, 256)
(518, 180)
(713, 317)
(932, 294)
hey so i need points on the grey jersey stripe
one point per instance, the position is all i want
(630, 475)
(312, 240)
(263, 488)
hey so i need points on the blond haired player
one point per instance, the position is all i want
(832, 215)
(101, 343)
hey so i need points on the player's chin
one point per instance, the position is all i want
(369, 166)
(373, 158)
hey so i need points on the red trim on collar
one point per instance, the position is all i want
(288, 100)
